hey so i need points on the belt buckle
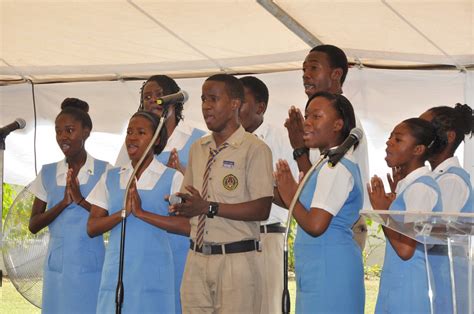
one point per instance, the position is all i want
(206, 249)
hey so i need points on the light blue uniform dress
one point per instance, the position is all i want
(439, 261)
(404, 284)
(148, 262)
(180, 243)
(329, 270)
(73, 264)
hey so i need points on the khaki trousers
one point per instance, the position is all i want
(271, 261)
(221, 283)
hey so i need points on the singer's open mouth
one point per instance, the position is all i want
(64, 146)
(132, 149)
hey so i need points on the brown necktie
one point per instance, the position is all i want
(202, 218)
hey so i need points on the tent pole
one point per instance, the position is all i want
(293, 25)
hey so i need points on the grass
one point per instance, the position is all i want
(12, 302)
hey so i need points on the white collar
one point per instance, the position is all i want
(88, 166)
(262, 131)
(182, 128)
(412, 176)
(155, 166)
(446, 164)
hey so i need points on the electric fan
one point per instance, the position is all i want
(24, 252)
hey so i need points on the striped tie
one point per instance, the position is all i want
(202, 218)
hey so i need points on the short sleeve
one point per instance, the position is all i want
(99, 195)
(37, 188)
(420, 197)
(332, 189)
(260, 172)
(176, 183)
(454, 192)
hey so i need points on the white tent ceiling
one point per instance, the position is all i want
(114, 39)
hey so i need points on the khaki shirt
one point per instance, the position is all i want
(241, 172)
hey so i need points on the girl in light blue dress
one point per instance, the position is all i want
(175, 154)
(452, 124)
(328, 262)
(148, 278)
(73, 263)
(404, 279)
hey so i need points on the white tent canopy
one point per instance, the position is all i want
(93, 39)
(97, 46)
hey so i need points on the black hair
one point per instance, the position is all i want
(425, 134)
(78, 109)
(155, 121)
(458, 119)
(344, 110)
(234, 86)
(257, 87)
(169, 87)
(337, 58)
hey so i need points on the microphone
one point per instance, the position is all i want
(174, 199)
(180, 96)
(336, 154)
(19, 123)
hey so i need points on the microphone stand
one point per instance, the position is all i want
(119, 292)
(285, 302)
(2, 151)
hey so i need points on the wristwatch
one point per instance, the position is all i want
(298, 152)
(213, 209)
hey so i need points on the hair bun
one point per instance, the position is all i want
(77, 103)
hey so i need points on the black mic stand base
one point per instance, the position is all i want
(285, 300)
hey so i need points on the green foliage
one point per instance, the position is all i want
(374, 241)
(9, 194)
(372, 271)
(20, 203)
(291, 242)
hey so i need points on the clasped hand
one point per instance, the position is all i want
(294, 125)
(134, 203)
(378, 198)
(286, 184)
(72, 192)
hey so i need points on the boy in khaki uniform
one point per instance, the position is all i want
(227, 190)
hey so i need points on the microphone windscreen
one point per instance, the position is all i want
(21, 122)
(357, 133)
(174, 199)
(185, 96)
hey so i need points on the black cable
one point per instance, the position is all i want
(34, 125)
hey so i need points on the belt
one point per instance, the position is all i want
(272, 228)
(229, 248)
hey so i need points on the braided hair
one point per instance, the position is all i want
(169, 87)
(458, 119)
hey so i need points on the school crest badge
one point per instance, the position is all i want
(230, 182)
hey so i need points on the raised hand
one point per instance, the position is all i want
(67, 199)
(173, 161)
(394, 178)
(134, 201)
(72, 184)
(294, 125)
(286, 184)
(378, 198)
